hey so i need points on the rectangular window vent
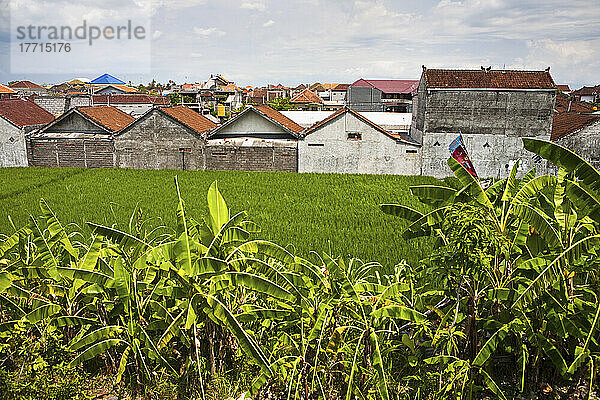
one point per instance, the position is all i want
(316, 145)
(354, 136)
(411, 151)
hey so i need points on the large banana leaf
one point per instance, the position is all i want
(261, 285)
(399, 312)
(536, 219)
(56, 229)
(250, 347)
(469, 180)
(95, 349)
(586, 203)
(566, 159)
(218, 211)
(511, 184)
(401, 211)
(42, 312)
(532, 188)
(434, 193)
(97, 335)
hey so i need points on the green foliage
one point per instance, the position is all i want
(281, 104)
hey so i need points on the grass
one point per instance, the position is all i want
(337, 214)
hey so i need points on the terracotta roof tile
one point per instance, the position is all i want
(24, 113)
(190, 118)
(306, 97)
(279, 118)
(341, 87)
(129, 99)
(110, 117)
(6, 90)
(563, 88)
(25, 85)
(566, 104)
(564, 124)
(484, 79)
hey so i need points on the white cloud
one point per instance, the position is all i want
(269, 23)
(208, 31)
(258, 5)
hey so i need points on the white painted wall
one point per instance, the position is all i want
(376, 153)
(492, 155)
(13, 153)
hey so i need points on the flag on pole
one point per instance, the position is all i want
(458, 150)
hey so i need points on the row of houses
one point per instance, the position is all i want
(492, 109)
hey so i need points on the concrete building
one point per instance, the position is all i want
(590, 94)
(258, 139)
(579, 133)
(6, 92)
(82, 137)
(60, 104)
(492, 109)
(135, 105)
(393, 122)
(348, 143)
(163, 138)
(27, 88)
(17, 119)
(390, 95)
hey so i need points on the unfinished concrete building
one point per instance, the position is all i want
(163, 138)
(80, 138)
(135, 105)
(258, 139)
(17, 119)
(346, 142)
(492, 109)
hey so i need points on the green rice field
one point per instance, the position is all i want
(335, 214)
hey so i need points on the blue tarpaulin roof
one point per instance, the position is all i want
(107, 79)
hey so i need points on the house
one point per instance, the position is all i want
(590, 94)
(492, 109)
(258, 139)
(133, 104)
(113, 89)
(27, 88)
(565, 103)
(307, 100)
(333, 95)
(579, 133)
(393, 122)
(6, 92)
(82, 137)
(18, 118)
(565, 89)
(163, 138)
(391, 95)
(348, 143)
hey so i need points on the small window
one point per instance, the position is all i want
(12, 139)
(411, 151)
(128, 150)
(354, 136)
(436, 144)
(185, 150)
(316, 145)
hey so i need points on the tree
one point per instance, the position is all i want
(281, 104)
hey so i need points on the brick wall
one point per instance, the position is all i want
(71, 152)
(266, 156)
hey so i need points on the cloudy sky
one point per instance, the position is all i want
(255, 42)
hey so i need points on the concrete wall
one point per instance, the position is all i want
(252, 124)
(492, 122)
(75, 123)
(158, 142)
(328, 149)
(13, 151)
(135, 110)
(57, 105)
(585, 143)
(364, 99)
(252, 155)
(93, 152)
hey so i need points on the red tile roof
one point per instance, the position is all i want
(306, 97)
(341, 87)
(566, 104)
(279, 118)
(109, 117)
(400, 86)
(588, 91)
(24, 113)
(25, 85)
(189, 118)
(563, 88)
(344, 110)
(6, 90)
(565, 124)
(484, 79)
(129, 99)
